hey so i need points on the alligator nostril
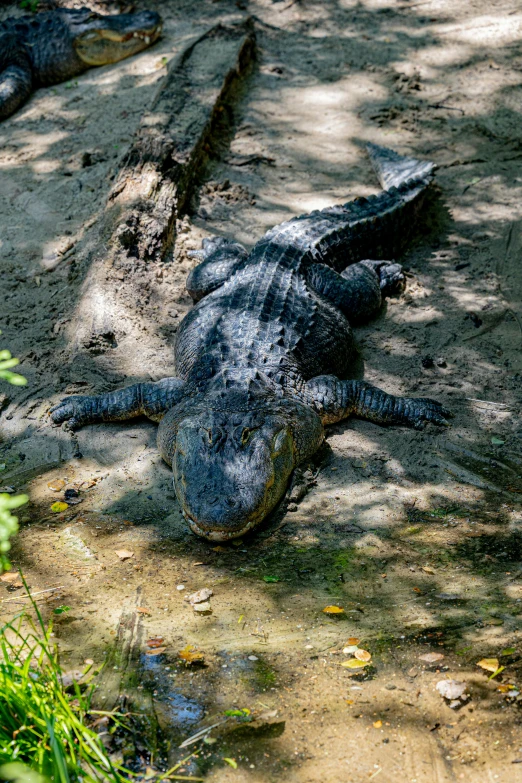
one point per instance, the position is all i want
(212, 435)
(230, 502)
(212, 500)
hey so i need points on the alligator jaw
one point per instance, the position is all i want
(217, 535)
(102, 45)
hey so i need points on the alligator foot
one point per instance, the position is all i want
(149, 399)
(334, 400)
(392, 280)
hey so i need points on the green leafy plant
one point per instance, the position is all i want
(61, 609)
(6, 362)
(8, 524)
(19, 773)
(42, 725)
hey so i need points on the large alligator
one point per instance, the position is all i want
(261, 359)
(54, 46)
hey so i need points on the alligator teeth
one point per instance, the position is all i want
(147, 40)
(135, 35)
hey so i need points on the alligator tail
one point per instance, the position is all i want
(394, 170)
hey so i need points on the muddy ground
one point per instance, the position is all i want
(417, 536)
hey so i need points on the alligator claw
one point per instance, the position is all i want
(426, 410)
(71, 410)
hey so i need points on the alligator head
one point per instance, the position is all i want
(232, 455)
(100, 40)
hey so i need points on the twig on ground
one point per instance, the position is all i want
(487, 402)
(445, 106)
(39, 592)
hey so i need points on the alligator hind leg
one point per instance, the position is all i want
(16, 81)
(390, 275)
(220, 259)
(358, 291)
(334, 400)
(149, 399)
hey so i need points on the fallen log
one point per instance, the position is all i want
(157, 181)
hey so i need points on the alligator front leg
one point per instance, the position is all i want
(150, 399)
(16, 81)
(219, 260)
(334, 400)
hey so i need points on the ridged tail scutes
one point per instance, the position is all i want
(394, 170)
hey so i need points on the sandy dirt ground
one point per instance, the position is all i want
(417, 536)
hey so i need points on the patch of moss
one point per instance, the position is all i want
(262, 677)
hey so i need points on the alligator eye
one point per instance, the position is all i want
(245, 436)
(279, 442)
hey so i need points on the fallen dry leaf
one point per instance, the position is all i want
(428, 569)
(56, 485)
(11, 578)
(143, 610)
(89, 483)
(124, 554)
(350, 649)
(431, 657)
(268, 715)
(451, 689)
(333, 610)
(353, 640)
(490, 664)
(354, 664)
(155, 651)
(155, 641)
(363, 655)
(199, 597)
(189, 654)
(59, 506)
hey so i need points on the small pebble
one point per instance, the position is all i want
(180, 587)
(441, 362)
(253, 658)
(203, 608)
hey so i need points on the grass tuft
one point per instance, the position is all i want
(42, 724)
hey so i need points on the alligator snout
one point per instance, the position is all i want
(227, 503)
(231, 467)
